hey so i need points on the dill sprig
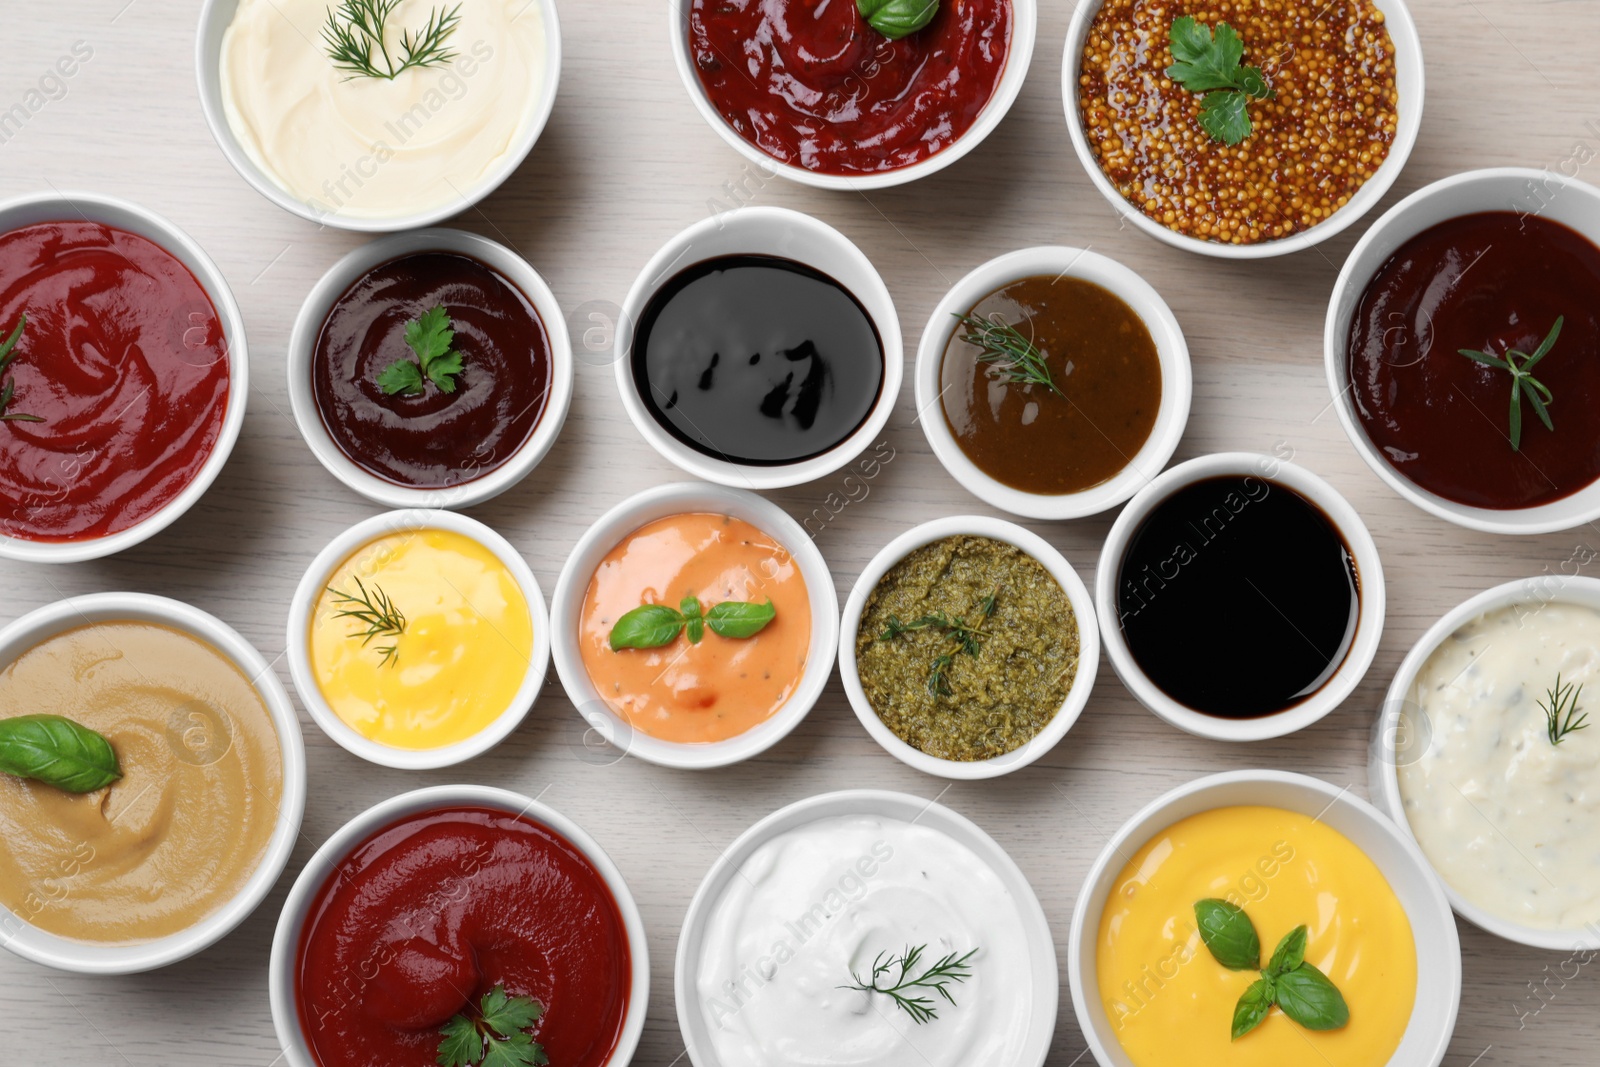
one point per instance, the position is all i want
(1524, 386)
(968, 638)
(7, 389)
(903, 986)
(356, 41)
(1561, 713)
(1005, 348)
(378, 614)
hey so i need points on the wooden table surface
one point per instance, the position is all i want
(624, 164)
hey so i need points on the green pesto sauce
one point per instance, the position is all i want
(999, 698)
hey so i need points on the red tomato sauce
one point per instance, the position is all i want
(435, 910)
(124, 359)
(810, 83)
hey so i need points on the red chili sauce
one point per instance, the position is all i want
(1493, 281)
(124, 359)
(430, 913)
(810, 83)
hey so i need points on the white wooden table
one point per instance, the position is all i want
(625, 163)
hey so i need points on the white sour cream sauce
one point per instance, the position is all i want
(822, 900)
(367, 147)
(1506, 818)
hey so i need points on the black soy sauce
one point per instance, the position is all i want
(1238, 597)
(757, 360)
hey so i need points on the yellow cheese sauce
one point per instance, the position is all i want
(1171, 1002)
(457, 664)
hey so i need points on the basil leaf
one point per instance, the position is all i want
(648, 626)
(697, 620)
(1307, 996)
(1229, 934)
(897, 18)
(734, 619)
(1290, 953)
(1252, 1007)
(58, 752)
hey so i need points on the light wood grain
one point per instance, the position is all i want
(625, 163)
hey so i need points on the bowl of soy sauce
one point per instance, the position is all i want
(1240, 597)
(759, 349)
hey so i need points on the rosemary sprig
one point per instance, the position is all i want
(967, 636)
(356, 30)
(1524, 386)
(380, 616)
(1561, 713)
(8, 388)
(1004, 347)
(904, 985)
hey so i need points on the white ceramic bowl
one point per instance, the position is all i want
(1088, 645)
(315, 581)
(1573, 203)
(1177, 383)
(1408, 70)
(281, 970)
(1041, 963)
(334, 284)
(1369, 622)
(67, 954)
(1433, 1018)
(768, 231)
(607, 532)
(1024, 29)
(110, 211)
(1385, 760)
(215, 17)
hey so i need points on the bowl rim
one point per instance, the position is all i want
(336, 281)
(1371, 610)
(1172, 353)
(1408, 50)
(126, 215)
(1157, 815)
(1019, 57)
(1383, 768)
(622, 520)
(208, 77)
(286, 934)
(1538, 519)
(876, 802)
(67, 954)
(309, 590)
(665, 265)
(1083, 608)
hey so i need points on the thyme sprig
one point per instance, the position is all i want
(1561, 713)
(378, 614)
(968, 638)
(903, 987)
(356, 39)
(10, 387)
(1007, 349)
(1524, 386)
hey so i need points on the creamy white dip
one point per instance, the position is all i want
(1509, 820)
(368, 147)
(823, 900)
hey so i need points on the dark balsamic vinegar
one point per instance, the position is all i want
(1238, 597)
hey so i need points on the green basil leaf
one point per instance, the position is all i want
(1310, 998)
(648, 626)
(690, 606)
(1229, 934)
(1252, 1007)
(732, 618)
(897, 18)
(1290, 953)
(58, 752)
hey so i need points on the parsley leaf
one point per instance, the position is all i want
(497, 1038)
(429, 336)
(505, 1015)
(1209, 63)
(401, 376)
(462, 1044)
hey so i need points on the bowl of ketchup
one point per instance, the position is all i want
(458, 913)
(123, 375)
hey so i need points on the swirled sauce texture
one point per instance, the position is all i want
(182, 831)
(435, 910)
(811, 84)
(124, 359)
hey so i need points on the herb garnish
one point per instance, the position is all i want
(430, 337)
(897, 18)
(356, 27)
(57, 751)
(497, 1037)
(1523, 383)
(654, 625)
(967, 636)
(903, 987)
(6, 356)
(1210, 64)
(1561, 713)
(1305, 994)
(1005, 348)
(380, 615)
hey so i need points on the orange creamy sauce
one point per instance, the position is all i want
(721, 687)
